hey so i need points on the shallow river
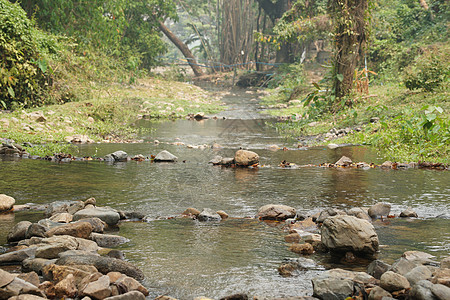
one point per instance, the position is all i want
(185, 258)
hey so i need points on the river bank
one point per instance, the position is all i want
(109, 117)
(401, 125)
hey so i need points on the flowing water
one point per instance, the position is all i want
(185, 258)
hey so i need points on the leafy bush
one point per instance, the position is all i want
(23, 72)
(289, 79)
(429, 70)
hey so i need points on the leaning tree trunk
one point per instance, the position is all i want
(183, 48)
(349, 17)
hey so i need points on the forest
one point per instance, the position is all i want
(345, 61)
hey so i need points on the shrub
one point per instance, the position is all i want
(429, 70)
(23, 79)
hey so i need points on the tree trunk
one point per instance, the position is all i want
(183, 48)
(350, 39)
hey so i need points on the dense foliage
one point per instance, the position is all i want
(24, 69)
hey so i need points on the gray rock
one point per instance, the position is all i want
(344, 161)
(330, 288)
(133, 295)
(207, 214)
(348, 233)
(216, 160)
(379, 210)
(27, 297)
(17, 256)
(392, 282)
(417, 274)
(36, 264)
(119, 156)
(402, 266)
(165, 156)
(131, 215)
(328, 213)
(376, 268)
(276, 212)
(108, 240)
(6, 202)
(359, 213)
(77, 252)
(245, 158)
(419, 257)
(422, 291)
(50, 251)
(378, 293)
(441, 291)
(103, 264)
(57, 207)
(227, 161)
(75, 206)
(18, 232)
(49, 224)
(106, 214)
(408, 213)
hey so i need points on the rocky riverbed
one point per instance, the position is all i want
(69, 254)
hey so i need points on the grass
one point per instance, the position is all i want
(407, 130)
(108, 116)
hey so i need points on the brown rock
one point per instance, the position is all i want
(393, 282)
(31, 277)
(133, 295)
(6, 202)
(62, 218)
(222, 214)
(57, 273)
(48, 288)
(292, 238)
(377, 293)
(191, 212)
(344, 161)
(302, 248)
(441, 276)
(80, 230)
(275, 212)
(26, 297)
(66, 287)
(246, 158)
(5, 278)
(98, 289)
(131, 284)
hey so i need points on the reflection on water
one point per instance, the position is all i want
(185, 258)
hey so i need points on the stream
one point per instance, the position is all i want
(184, 258)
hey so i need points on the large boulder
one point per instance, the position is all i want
(18, 232)
(103, 265)
(246, 158)
(165, 156)
(417, 274)
(106, 214)
(276, 212)
(348, 233)
(6, 202)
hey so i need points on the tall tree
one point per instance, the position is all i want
(350, 36)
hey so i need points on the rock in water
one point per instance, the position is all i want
(348, 233)
(408, 213)
(276, 212)
(344, 161)
(117, 156)
(19, 231)
(165, 156)
(108, 215)
(246, 158)
(208, 215)
(103, 265)
(6, 202)
(379, 209)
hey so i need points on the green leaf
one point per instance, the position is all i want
(11, 92)
(316, 85)
(431, 117)
(340, 77)
(439, 109)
